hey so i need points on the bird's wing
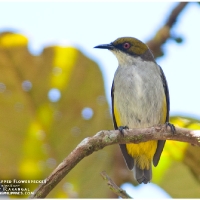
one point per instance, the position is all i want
(165, 86)
(129, 160)
(161, 143)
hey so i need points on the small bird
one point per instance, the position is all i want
(140, 99)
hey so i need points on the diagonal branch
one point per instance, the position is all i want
(105, 138)
(117, 190)
(175, 13)
(164, 33)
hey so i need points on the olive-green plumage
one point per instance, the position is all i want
(137, 48)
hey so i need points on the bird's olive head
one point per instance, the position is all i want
(129, 45)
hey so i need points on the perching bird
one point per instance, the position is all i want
(140, 99)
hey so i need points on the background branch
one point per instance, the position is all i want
(105, 138)
(117, 190)
(163, 34)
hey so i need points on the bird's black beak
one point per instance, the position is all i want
(105, 46)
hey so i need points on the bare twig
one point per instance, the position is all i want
(163, 34)
(117, 190)
(106, 138)
(175, 13)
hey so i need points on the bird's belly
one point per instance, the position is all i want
(139, 104)
(137, 112)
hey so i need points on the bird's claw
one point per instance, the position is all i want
(121, 129)
(172, 127)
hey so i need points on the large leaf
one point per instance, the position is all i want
(37, 131)
(179, 168)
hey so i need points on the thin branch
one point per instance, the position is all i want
(163, 34)
(175, 13)
(106, 138)
(117, 190)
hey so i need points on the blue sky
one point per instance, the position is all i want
(87, 24)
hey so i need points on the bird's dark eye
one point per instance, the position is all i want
(126, 45)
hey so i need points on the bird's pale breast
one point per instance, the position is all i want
(139, 102)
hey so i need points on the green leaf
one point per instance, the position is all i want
(37, 133)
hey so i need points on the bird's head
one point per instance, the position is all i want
(126, 47)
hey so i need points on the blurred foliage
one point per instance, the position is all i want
(38, 131)
(178, 171)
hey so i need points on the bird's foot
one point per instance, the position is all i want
(172, 127)
(121, 129)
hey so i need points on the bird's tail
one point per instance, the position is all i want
(142, 175)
